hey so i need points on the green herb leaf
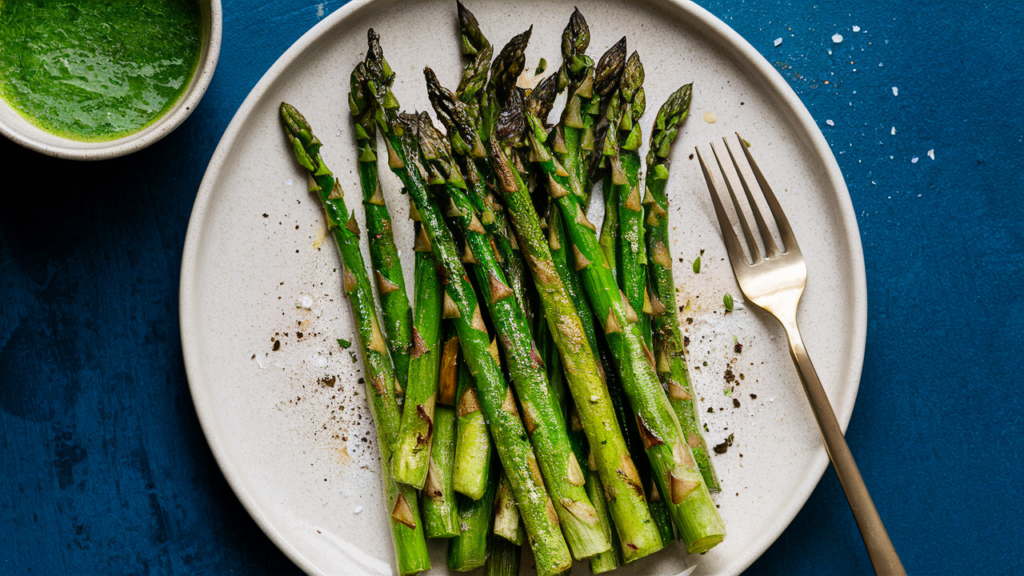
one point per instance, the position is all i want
(696, 265)
(344, 343)
(728, 302)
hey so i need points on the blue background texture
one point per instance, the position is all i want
(105, 467)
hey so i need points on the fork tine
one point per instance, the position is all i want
(785, 231)
(732, 242)
(770, 248)
(755, 253)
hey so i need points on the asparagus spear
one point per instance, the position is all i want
(581, 366)
(504, 559)
(468, 550)
(574, 137)
(412, 452)
(620, 146)
(506, 513)
(473, 445)
(463, 135)
(675, 471)
(394, 301)
(478, 49)
(440, 510)
(623, 237)
(549, 548)
(406, 528)
(541, 412)
(611, 559)
(668, 343)
(463, 121)
(607, 75)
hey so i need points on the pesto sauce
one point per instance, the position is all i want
(96, 70)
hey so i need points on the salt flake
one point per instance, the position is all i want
(931, 154)
(288, 182)
(837, 38)
(778, 42)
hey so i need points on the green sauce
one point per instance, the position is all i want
(96, 70)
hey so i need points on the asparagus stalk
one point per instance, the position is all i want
(472, 446)
(472, 96)
(549, 548)
(581, 366)
(606, 81)
(478, 49)
(620, 146)
(406, 529)
(397, 315)
(457, 118)
(448, 378)
(574, 137)
(504, 559)
(440, 509)
(622, 240)
(468, 550)
(541, 412)
(610, 240)
(675, 471)
(506, 513)
(412, 452)
(440, 512)
(668, 342)
(612, 559)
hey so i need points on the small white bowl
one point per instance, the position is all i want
(21, 131)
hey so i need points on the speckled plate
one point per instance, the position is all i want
(261, 303)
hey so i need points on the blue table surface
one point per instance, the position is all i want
(105, 467)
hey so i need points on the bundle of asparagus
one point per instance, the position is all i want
(525, 342)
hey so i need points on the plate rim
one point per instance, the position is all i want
(715, 30)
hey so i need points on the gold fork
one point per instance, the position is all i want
(775, 282)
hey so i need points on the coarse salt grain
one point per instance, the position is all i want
(931, 154)
(856, 28)
(778, 41)
(893, 130)
(914, 160)
(837, 38)
(895, 91)
(306, 302)
(288, 182)
(357, 510)
(830, 123)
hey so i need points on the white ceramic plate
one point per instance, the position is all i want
(290, 429)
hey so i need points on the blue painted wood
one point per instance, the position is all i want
(105, 468)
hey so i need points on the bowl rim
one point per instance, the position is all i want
(154, 132)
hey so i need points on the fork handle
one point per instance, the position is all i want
(883, 555)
